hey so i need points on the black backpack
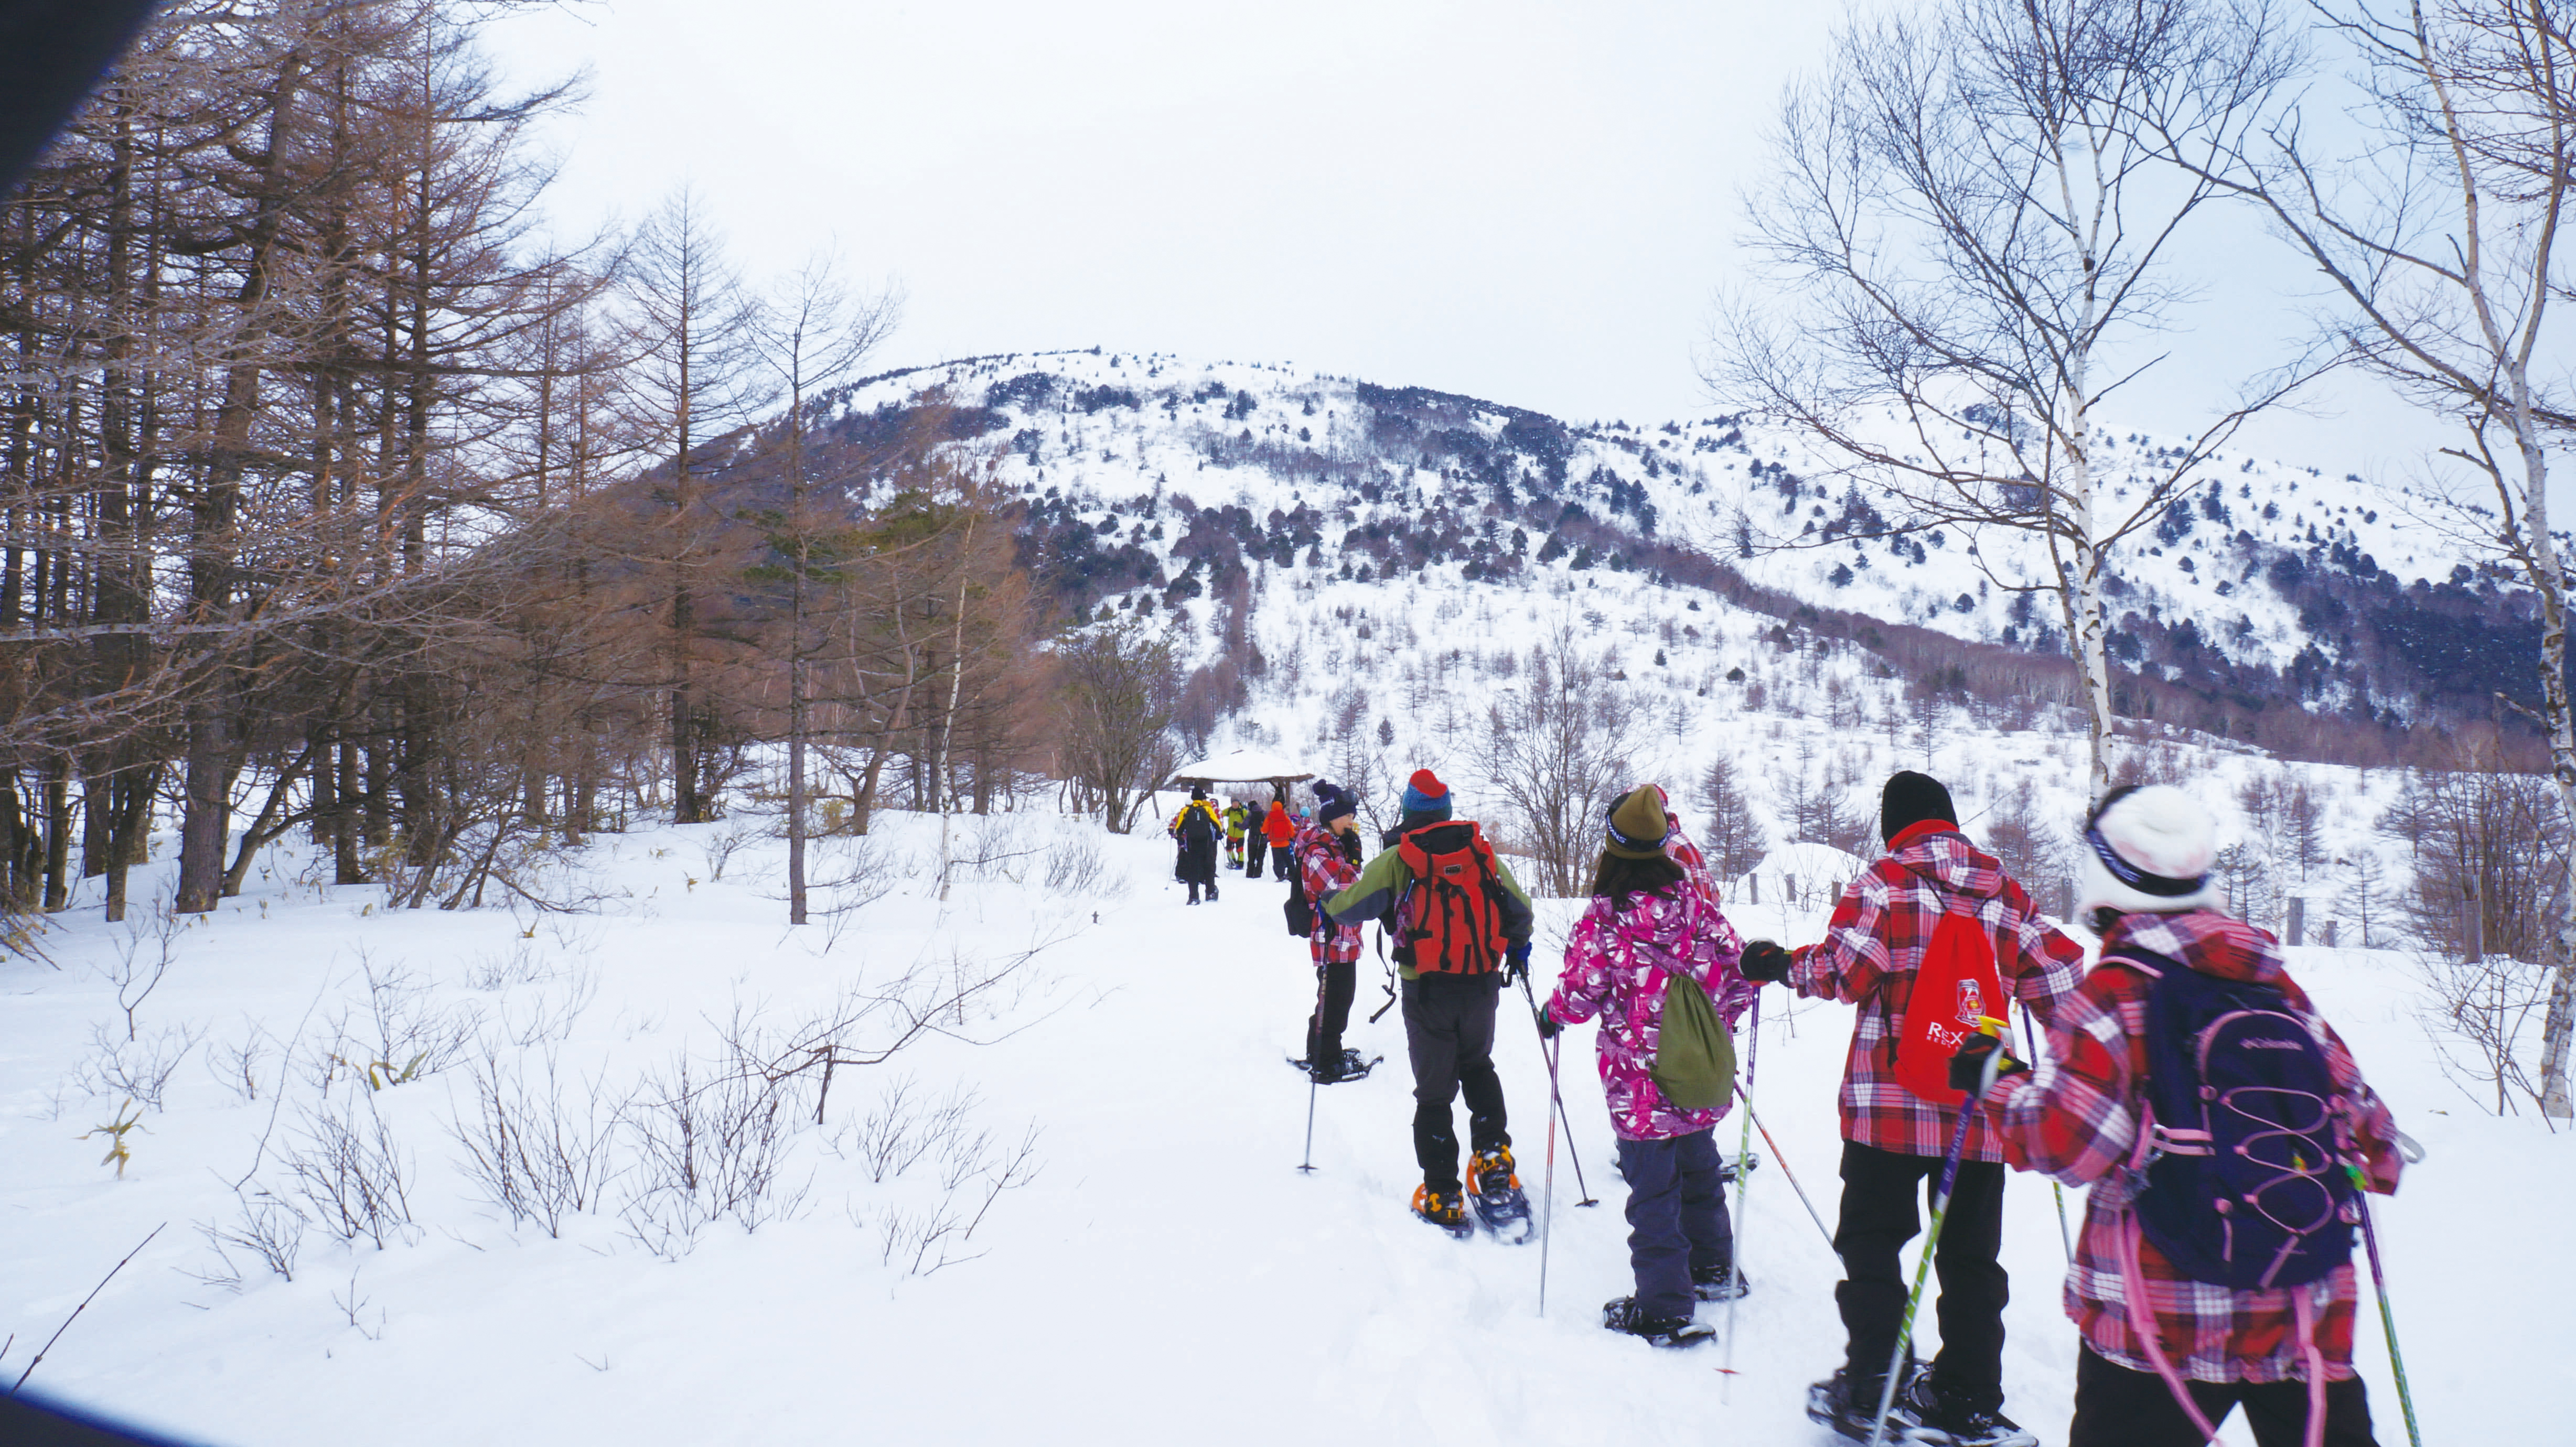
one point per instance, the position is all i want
(1196, 827)
(2246, 1186)
(1300, 910)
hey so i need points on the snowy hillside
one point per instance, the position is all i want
(2264, 578)
(1153, 1270)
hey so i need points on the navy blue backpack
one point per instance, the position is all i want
(2245, 1183)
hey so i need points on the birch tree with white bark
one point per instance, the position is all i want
(2436, 225)
(1975, 250)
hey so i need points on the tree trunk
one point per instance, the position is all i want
(206, 826)
(2559, 1024)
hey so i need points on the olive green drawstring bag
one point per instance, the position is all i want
(1694, 1062)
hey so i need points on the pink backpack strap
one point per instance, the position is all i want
(2142, 1324)
(2306, 1316)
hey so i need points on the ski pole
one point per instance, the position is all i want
(1547, 1192)
(1932, 1240)
(1755, 1117)
(2065, 1234)
(1743, 1188)
(2387, 1317)
(1558, 1101)
(1311, 1083)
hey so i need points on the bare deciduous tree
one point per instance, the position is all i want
(1558, 752)
(1120, 682)
(2438, 235)
(1979, 244)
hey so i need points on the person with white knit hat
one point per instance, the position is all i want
(2185, 1000)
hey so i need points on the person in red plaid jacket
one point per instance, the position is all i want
(2281, 1352)
(1893, 1140)
(1324, 852)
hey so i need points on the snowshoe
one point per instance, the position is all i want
(1621, 1314)
(1726, 1168)
(1442, 1209)
(1351, 1067)
(1948, 1422)
(1851, 1409)
(1496, 1194)
(1722, 1283)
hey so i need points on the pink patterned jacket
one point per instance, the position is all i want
(1618, 965)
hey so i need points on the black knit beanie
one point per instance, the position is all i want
(1332, 803)
(1909, 799)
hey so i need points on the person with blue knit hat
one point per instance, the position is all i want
(1460, 926)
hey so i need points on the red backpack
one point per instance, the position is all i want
(1954, 989)
(1450, 921)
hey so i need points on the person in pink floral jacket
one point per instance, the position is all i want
(1647, 928)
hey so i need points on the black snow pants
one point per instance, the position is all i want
(1676, 1218)
(1334, 986)
(2116, 1407)
(1449, 1033)
(1254, 847)
(1878, 1218)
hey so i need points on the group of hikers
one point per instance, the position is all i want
(2223, 1127)
(1250, 833)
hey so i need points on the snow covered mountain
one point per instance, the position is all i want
(1153, 480)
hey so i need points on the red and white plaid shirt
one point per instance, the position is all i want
(1327, 872)
(2078, 1117)
(1880, 929)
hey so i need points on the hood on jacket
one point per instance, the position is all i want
(2205, 940)
(1437, 838)
(1944, 856)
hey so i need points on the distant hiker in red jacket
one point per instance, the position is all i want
(1895, 1134)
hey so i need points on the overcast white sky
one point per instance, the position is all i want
(1531, 203)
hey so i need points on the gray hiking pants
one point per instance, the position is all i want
(1677, 1221)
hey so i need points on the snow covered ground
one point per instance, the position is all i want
(1166, 1275)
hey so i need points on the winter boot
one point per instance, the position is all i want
(1719, 1283)
(1444, 1209)
(1851, 1408)
(1621, 1314)
(1958, 1420)
(1211, 891)
(1489, 1173)
(1495, 1193)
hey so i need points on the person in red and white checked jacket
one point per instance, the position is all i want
(1326, 867)
(2078, 1119)
(1893, 1140)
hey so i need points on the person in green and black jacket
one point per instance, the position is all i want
(1453, 970)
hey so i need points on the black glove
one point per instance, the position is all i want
(1968, 1067)
(1549, 1027)
(1516, 964)
(1764, 963)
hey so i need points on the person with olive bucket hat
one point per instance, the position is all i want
(1927, 942)
(1647, 936)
